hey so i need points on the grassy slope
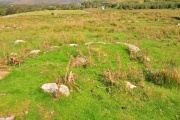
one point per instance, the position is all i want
(22, 86)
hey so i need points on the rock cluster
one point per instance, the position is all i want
(11, 27)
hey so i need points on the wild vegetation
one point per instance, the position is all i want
(118, 64)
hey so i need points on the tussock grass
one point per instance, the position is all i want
(169, 77)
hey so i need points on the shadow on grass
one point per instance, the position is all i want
(177, 18)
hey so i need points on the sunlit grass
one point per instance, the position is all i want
(153, 31)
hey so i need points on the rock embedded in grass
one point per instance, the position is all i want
(148, 59)
(35, 52)
(49, 87)
(130, 85)
(134, 48)
(64, 90)
(131, 47)
(81, 59)
(8, 118)
(73, 45)
(53, 87)
(55, 47)
(19, 41)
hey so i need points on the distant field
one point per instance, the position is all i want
(99, 91)
(48, 12)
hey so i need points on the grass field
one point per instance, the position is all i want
(48, 12)
(155, 32)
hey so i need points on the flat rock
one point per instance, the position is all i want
(73, 45)
(53, 87)
(81, 59)
(131, 47)
(8, 118)
(19, 41)
(35, 52)
(130, 85)
(55, 47)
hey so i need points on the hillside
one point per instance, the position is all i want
(39, 1)
(30, 2)
(117, 64)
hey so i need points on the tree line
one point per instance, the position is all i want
(146, 4)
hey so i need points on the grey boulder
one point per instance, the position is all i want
(53, 87)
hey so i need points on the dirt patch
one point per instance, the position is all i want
(3, 74)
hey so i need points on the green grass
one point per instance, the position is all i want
(20, 90)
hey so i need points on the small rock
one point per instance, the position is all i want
(104, 54)
(81, 59)
(64, 90)
(55, 47)
(26, 112)
(73, 45)
(19, 41)
(130, 85)
(148, 59)
(34, 51)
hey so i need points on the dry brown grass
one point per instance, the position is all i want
(168, 77)
(15, 60)
(135, 75)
